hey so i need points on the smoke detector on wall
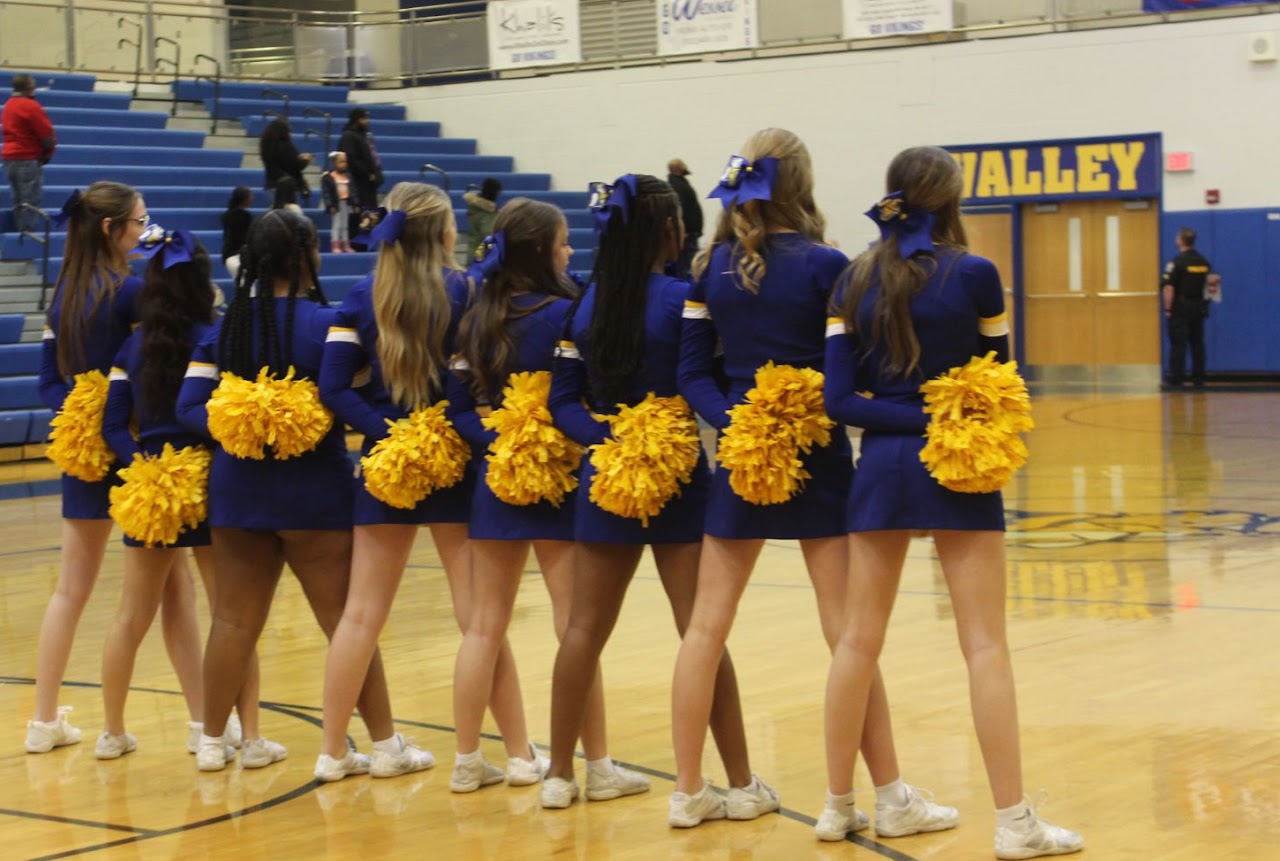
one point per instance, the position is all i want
(1262, 47)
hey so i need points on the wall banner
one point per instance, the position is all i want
(1115, 167)
(872, 19)
(689, 26)
(1184, 5)
(533, 33)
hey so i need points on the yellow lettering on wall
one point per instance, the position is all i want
(1057, 180)
(1127, 158)
(993, 176)
(968, 162)
(1024, 183)
(1089, 159)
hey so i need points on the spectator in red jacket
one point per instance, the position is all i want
(28, 145)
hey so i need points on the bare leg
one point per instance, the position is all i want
(378, 556)
(974, 565)
(678, 568)
(181, 630)
(247, 700)
(723, 573)
(498, 566)
(83, 544)
(145, 581)
(505, 700)
(875, 567)
(828, 562)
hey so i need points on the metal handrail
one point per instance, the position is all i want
(216, 80)
(44, 241)
(270, 113)
(276, 94)
(312, 133)
(428, 167)
(136, 44)
(328, 128)
(176, 62)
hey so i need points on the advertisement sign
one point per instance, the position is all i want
(533, 33)
(695, 26)
(873, 19)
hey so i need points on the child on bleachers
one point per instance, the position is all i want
(335, 188)
(235, 227)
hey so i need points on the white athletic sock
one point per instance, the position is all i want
(466, 758)
(1010, 817)
(838, 802)
(600, 766)
(893, 794)
(388, 745)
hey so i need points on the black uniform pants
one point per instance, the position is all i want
(1186, 330)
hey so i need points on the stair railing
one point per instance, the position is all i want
(216, 80)
(276, 94)
(428, 167)
(44, 241)
(176, 62)
(328, 127)
(136, 44)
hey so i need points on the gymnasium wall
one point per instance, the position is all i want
(1190, 81)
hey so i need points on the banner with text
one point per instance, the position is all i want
(688, 26)
(533, 33)
(1059, 170)
(873, 19)
(1184, 5)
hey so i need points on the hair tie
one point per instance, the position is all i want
(607, 199)
(177, 247)
(490, 255)
(388, 230)
(62, 216)
(912, 225)
(744, 180)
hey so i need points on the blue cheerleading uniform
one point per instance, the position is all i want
(681, 519)
(312, 491)
(109, 319)
(783, 321)
(156, 427)
(351, 385)
(958, 314)
(535, 336)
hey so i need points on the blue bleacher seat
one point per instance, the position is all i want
(39, 430)
(232, 109)
(18, 359)
(253, 124)
(19, 393)
(50, 80)
(193, 91)
(491, 164)
(89, 136)
(108, 119)
(11, 328)
(56, 98)
(180, 157)
(15, 426)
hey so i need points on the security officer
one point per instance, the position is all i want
(1185, 308)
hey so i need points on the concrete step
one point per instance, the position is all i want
(16, 269)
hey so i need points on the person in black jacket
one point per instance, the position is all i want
(1185, 308)
(280, 158)
(235, 227)
(363, 163)
(690, 208)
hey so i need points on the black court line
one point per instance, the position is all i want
(66, 820)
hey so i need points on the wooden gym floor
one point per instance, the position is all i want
(1144, 610)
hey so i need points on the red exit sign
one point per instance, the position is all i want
(1179, 162)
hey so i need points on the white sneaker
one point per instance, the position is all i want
(613, 782)
(195, 729)
(919, 815)
(114, 746)
(1032, 837)
(409, 758)
(329, 769)
(472, 771)
(751, 801)
(234, 733)
(526, 772)
(213, 754)
(686, 811)
(839, 819)
(558, 793)
(44, 736)
(260, 753)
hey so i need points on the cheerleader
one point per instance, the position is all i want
(913, 306)
(622, 351)
(90, 317)
(506, 340)
(761, 290)
(293, 503)
(385, 358)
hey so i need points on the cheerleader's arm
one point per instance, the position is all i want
(118, 414)
(344, 357)
(193, 398)
(53, 386)
(568, 390)
(463, 410)
(696, 375)
(850, 406)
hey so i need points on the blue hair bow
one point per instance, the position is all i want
(744, 180)
(911, 225)
(365, 225)
(607, 199)
(177, 247)
(388, 230)
(62, 216)
(490, 255)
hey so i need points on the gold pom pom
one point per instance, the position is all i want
(783, 416)
(246, 417)
(654, 450)
(976, 413)
(76, 444)
(163, 495)
(421, 454)
(530, 460)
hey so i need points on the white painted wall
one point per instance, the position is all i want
(1190, 81)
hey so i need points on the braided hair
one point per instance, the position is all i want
(281, 248)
